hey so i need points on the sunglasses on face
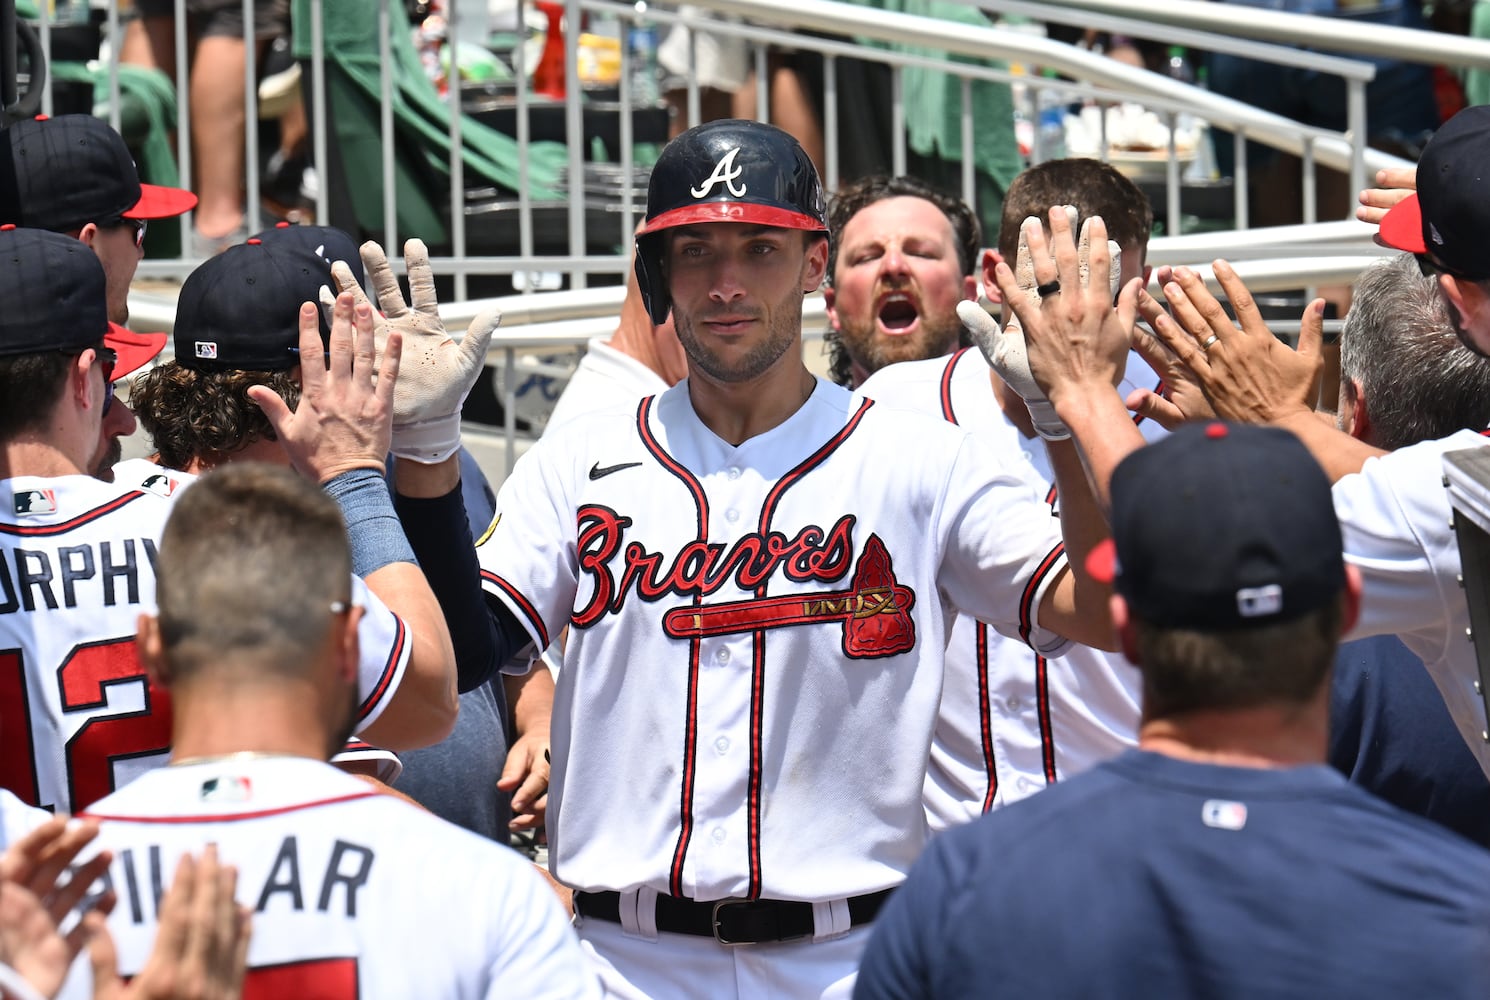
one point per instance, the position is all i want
(108, 358)
(1429, 267)
(138, 225)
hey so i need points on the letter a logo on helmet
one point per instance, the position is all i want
(725, 172)
(752, 173)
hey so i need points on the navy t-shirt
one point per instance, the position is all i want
(1391, 733)
(1149, 876)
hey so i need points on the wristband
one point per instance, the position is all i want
(376, 535)
(427, 441)
(1047, 424)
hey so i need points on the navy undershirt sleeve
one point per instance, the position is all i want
(484, 634)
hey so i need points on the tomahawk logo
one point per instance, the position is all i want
(725, 172)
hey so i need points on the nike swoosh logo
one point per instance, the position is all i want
(596, 472)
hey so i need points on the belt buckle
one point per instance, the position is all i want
(714, 921)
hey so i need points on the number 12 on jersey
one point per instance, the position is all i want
(83, 683)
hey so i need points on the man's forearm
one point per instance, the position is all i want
(1336, 451)
(1104, 434)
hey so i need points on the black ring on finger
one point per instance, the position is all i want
(1048, 288)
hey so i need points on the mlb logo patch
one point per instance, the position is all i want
(229, 788)
(207, 350)
(36, 502)
(1220, 814)
(160, 485)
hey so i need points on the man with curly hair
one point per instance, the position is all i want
(902, 255)
(237, 326)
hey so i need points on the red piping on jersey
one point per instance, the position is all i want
(400, 639)
(690, 733)
(1042, 705)
(47, 530)
(947, 412)
(523, 604)
(1027, 600)
(758, 660)
(228, 817)
(985, 724)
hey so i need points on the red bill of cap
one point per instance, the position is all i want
(1402, 227)
(135, 350)
(1101, 562)
(157, 202)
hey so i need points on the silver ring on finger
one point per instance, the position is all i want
(1206, 344)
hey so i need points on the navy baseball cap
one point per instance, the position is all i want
(1448, 216)
(240, 310)
(62, 173)
(1222, 526)
(54, 293)
(326, 242)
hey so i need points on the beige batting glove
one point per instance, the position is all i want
(437, 373)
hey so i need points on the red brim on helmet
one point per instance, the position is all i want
(135, 350)
(1402, 226)
(733, 211)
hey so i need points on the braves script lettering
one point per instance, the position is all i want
(725, 172)
(701, 568)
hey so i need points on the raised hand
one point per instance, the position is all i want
(1246, 372)
(437, 372)
(344, 419)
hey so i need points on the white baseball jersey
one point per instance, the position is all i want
(756, 635)
(1396, 520)
(1011, 721)
(354, 894)
(78, 717)
(604, 378)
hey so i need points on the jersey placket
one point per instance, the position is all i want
(718, 862)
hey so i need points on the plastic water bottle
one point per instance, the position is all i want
(1050, 123)
(641, 50)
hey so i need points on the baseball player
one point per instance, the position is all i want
(759, 575)
(77, 555)
(74, 175)
(354, 894)
(1013, 721)
(902, 255)
(1221, 858)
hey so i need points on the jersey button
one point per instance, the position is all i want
(1013, 704)
(722, 656)
(732, 515)
(733, 472)
(719, 835)
(722, 744)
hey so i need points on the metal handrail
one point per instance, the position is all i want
(1282, 55)
(1337, 34)
(988, 42)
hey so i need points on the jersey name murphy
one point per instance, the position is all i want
(873, 609)
(71, 576)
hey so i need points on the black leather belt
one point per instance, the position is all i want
(732, 921)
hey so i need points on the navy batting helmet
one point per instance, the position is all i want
(725, 171)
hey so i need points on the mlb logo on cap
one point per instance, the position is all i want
(207, 350)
